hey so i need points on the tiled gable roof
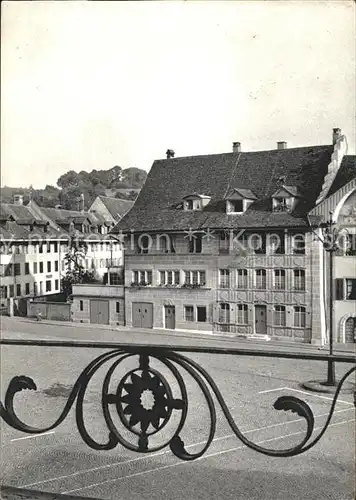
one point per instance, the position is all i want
(116, 206)
(169, 181)
(18, 212)
(244, 193)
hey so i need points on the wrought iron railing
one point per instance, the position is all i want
(144, 400)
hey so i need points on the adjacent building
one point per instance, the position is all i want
(226, 242)
(110, 209)
(340, 208)
(34, 241)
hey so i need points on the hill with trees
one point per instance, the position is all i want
(116, 182)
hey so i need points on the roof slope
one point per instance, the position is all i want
(158, 206)
(18, 212)
(116, 206)
(346, 173)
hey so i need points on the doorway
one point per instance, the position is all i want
(170, 317)
(261, 320)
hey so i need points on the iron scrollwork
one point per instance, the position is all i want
(144, 403)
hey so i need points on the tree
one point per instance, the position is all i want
(76, 274)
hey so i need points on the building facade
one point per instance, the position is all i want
(226, 243)
(34, 242)
(340, 206)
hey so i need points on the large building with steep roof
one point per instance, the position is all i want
(225, 242)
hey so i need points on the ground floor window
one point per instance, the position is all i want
(279, 316)
(81, 305)
(299, 316)
(189, 313)
(117, 307)
(11, 288)
(18, 290)
(48, 285)
(27, 288)
(56, 284)
(224, 313)
(201, 314)
(242, 314)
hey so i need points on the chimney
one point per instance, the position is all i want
(281, 145)
(336, 135)
(170, 153)
(236, 147)
(82, 202)
(18, 199)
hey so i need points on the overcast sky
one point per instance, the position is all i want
(96, 84)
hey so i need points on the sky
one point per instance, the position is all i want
(95, 84)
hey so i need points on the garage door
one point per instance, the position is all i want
(142, 315)
(99, 312)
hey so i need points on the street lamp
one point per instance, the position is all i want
(330, 242)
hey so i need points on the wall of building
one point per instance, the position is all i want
(49, 310)
(166, 296)
(83, 294)
(211, 260)
(21, 253)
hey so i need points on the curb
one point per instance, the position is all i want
(182, 334)
(322, 387)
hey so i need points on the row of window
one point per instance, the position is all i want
(170, 277)
(51, 266)
(20, 290)
(279, 315)
(260, 279)
(255, 243)
(81, 306)
(37, 267)
(32, 248)
(261, 244)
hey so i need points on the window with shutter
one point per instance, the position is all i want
(339, 289)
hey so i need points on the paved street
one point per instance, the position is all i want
(59, 461)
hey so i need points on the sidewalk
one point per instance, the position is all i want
(348, 348)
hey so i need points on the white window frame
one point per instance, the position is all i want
(242, 314)
(279, 315)
(230, 208)
(241, 278)
(185, 314)
(299, 280)
(171, 277)
(299, 316)
(261, 279)
(224, 278)
(279, 279)
(139, 275)
(224, 312)
(195, 277)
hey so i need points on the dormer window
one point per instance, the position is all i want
(238, 200)
(195, 201)
(190, 204)
(285, 199)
